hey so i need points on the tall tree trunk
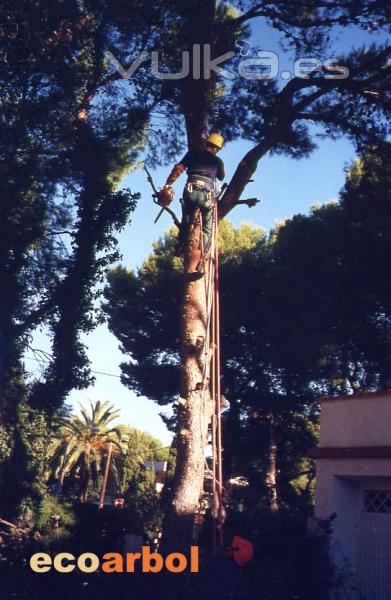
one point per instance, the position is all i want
(195, 405)
(271, 471)
(84, 485)
(62, 478)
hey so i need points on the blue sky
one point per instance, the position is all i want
(285, 187)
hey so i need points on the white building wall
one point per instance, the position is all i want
(361, 540)
(349, 468)
(356, 421)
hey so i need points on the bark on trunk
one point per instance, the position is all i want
(62, 478)
(271, 472)
(195, 407)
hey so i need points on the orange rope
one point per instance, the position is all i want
(218, 386)
(208, 344)
(213, 392)
(212, 341)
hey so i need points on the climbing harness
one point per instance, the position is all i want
(198, 186)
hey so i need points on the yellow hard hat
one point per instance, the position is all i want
(216, 140)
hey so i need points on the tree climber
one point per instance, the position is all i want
(203, 167)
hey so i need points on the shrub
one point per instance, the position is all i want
(48, 508)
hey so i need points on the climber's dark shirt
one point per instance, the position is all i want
(204, 163)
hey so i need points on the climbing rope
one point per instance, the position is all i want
(211, 379)
(216, 388)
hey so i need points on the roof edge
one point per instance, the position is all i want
(355, 396)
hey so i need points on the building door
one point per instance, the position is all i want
(374, 547)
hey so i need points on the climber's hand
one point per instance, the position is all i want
(165, 195)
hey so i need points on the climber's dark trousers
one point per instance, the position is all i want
(203, 200)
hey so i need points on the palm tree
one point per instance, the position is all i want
(82, 444)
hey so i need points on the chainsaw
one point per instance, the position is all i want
(155, 197)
